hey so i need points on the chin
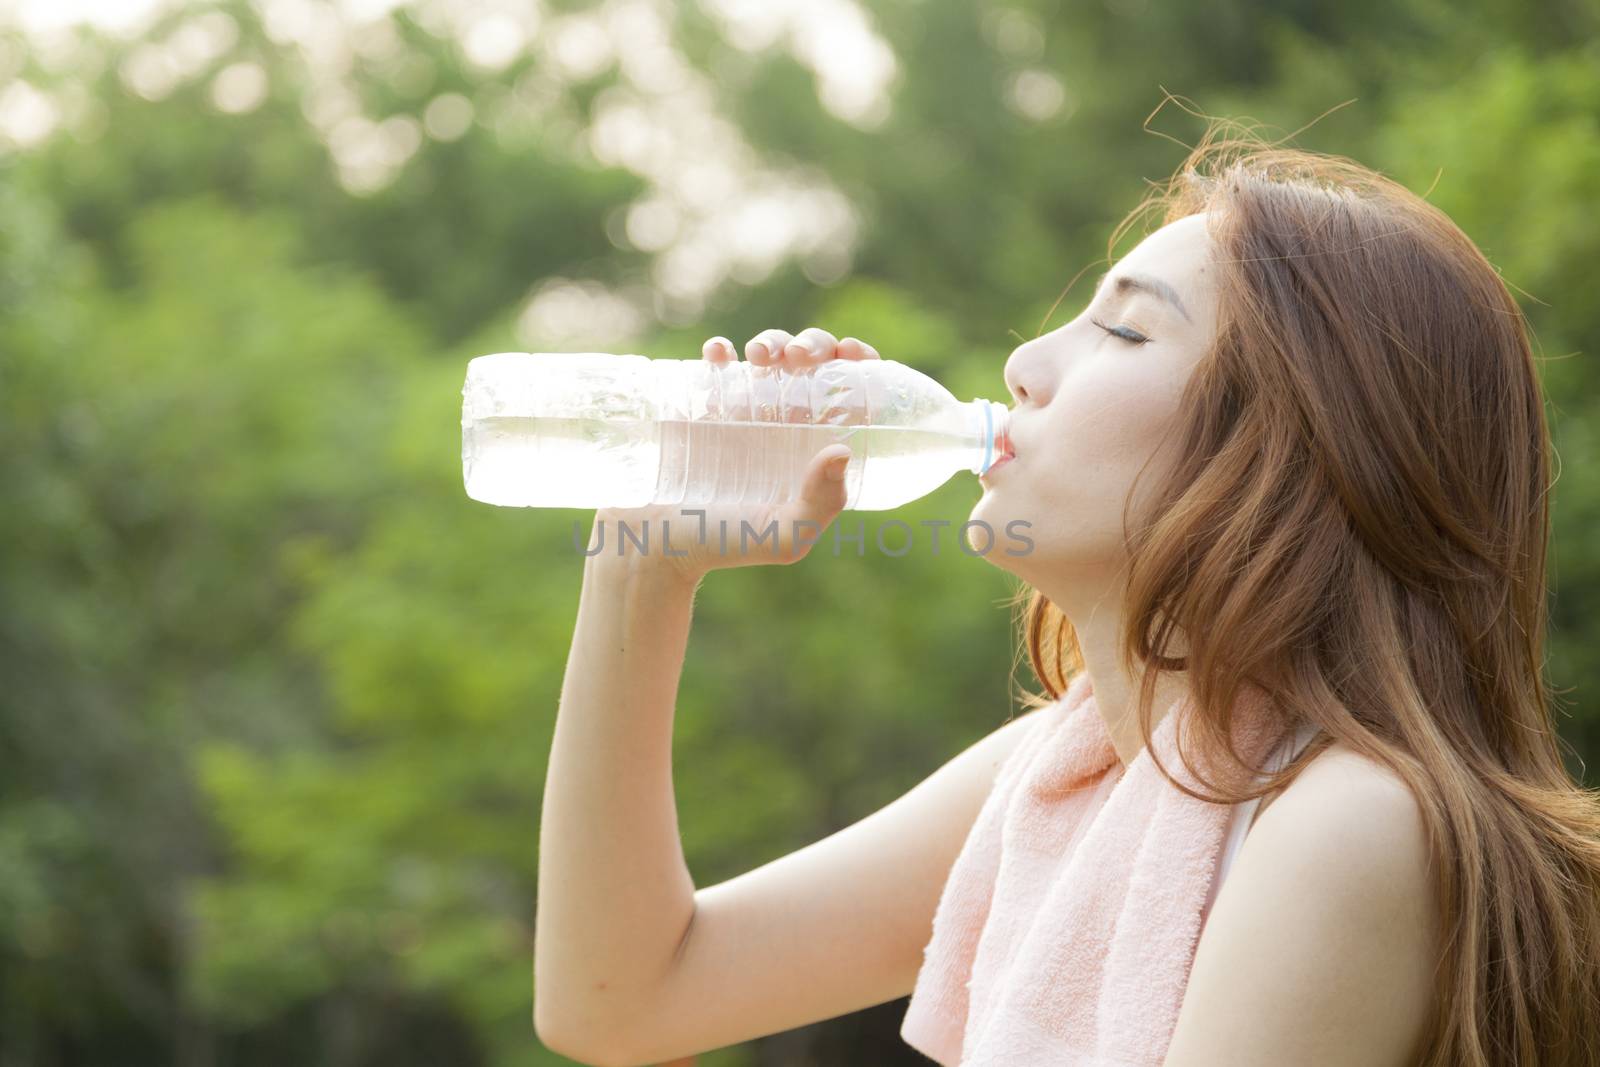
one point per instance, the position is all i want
(988, 508)
(998, 506)
(992, 543)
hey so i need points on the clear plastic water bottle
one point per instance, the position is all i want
(592, 430)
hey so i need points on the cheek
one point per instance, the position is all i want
(1110, 428)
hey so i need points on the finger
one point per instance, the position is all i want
(766, 347)
(718, 350)
(779, 342)
(855, 348)
(824, 489)
(813, 345)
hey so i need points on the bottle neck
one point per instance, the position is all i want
(991, 423)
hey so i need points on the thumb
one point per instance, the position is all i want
(822, 496)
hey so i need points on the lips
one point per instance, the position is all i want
(996, 465)
(1006, 446)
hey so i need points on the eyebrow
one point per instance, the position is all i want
(1143, 282)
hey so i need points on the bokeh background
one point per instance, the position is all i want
(278, 697)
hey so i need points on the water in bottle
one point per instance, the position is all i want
(588, 430)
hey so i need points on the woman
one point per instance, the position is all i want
(1290, 468)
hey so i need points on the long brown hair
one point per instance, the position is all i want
(1358, 524)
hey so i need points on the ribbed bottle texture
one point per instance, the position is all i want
(582, 429)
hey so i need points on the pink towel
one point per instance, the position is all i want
(1068, 924)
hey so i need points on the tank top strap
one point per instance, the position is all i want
(1244, 811)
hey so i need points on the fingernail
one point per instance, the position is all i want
(836, 471)
(759, 349)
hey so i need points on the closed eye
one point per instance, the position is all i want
(1122, 333)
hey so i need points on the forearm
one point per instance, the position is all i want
(615, 894)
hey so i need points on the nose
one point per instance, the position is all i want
(1027, 373)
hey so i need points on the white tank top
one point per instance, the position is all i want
(1244, 811)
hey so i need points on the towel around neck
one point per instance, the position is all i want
(1067, 926)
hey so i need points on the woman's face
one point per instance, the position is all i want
(1091, 407)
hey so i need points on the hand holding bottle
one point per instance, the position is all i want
(743, 535)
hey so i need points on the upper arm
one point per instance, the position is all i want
(832, 928)
(1320, 947)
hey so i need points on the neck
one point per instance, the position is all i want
(1098, 623)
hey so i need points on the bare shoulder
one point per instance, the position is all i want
(1340, 771)
(1322, 944)
(1351, 811)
